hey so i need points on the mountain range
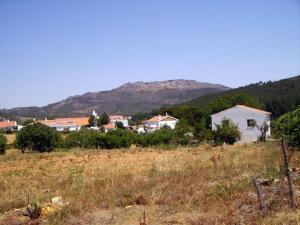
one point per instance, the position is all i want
(129, 98)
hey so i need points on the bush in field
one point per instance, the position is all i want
(163, 136)
(288, 127)
(226, 132)
(201, 131)
(73, 140)
(37, 137)
(119, 138)
(3, 144)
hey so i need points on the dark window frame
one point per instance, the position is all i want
(251, 123)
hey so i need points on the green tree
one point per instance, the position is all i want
(37, 137)
(183, 127)
(288, 127)
(229, 100)
(103, 120)
(92, 121)
(3, 144)
(226, 132)
(120, 125)
(27, 122)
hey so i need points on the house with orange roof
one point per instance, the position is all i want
(109, 127)
(249, 121)
(8, 125)
(66, 124)
(159, 121)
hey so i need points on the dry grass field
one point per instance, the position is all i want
(10, 138)
(200, 185)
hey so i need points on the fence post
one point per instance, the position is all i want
(262, 205)
(287, 172)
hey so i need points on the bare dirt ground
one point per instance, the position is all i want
(200, 185)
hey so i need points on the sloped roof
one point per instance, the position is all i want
(161, 118)
(7, 123)
(244, 107)
(117, 117)
(109, 126)
(76, 121)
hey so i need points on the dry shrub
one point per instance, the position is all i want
(141, 200)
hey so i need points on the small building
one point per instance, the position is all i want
(66, 124)
(248, 120)
(159, 121)
(140, 129)
(8, 125)
(109, 127)
(118, 118)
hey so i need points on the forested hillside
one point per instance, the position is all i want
(277, 97)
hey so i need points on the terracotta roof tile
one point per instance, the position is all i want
(109, 126)
(76, 121)
(7, 124)
(161, 118)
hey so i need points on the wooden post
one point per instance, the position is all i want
(262, 205)
(287, 173)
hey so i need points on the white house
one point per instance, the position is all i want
(246, 118)
(159, 121)
(117, 118)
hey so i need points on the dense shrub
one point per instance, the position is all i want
(164, 136)
(288, 127)
(226, 132)
(3, 144)
(119, 138)
(120, 125)
(37, 137)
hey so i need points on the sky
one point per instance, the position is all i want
(50, 50)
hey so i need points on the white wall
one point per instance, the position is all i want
(171, 123)
(240, 116)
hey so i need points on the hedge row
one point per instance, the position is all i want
(39, 137)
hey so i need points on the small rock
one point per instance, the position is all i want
(57, 200)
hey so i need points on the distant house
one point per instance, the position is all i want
(248, 120)
(109, 127)
(140, 129)
(8, 125)
(66, 124)
(159, 121)
(117, 118)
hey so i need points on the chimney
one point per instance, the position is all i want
(167, 114)
(46, 119)
(159, 117)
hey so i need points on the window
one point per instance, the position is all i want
(251, 123)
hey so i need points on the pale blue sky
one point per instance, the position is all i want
(50, 50)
